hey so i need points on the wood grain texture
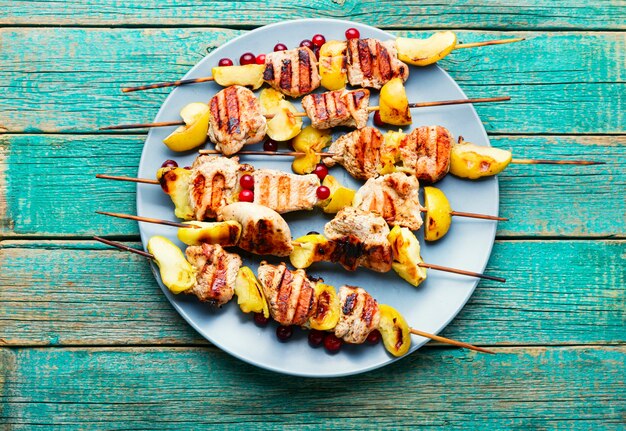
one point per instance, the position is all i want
(51, 189)
(81, 293)
(69, 79)
(172, 388)
(480, 14)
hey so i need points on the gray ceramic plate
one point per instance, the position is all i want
(429, 307)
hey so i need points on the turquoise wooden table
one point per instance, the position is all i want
(87, 339)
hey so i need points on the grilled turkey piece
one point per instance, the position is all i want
(263, 230)
(359, 152)
(359, 315)
(216, 272)
(290, 294)
(372, 63)
(284, 192)
(235, 119)
(360, 239)
(293, 72)
(214, 184)
(425, 153)
(395, 197)
(337, 108)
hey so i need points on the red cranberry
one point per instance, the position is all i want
(323, 192)
(321, 171)
(377, 120)
(313, 232)
(318, 40)
(247, 182)
(284, 332)
(246, 196)
(352, 33)
(374, 337)
(260, 319)
(316, 338)
(270, 145)
(169, 164)
(307, 43)
(247, 58)
(260, 59)
(332, 343)
(280, 47)
(225, 62)
(187, 167)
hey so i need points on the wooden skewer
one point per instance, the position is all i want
(488, 43)
(303, 114)
(298, 244)
(130, 179)
(412, 330)
(450, 341)
(554, 162)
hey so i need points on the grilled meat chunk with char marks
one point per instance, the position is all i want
(359, 315)
(284, 192)
(359, 239)
(293, 72)
(372, 63)
(214, 184)
(235, 119)
(359, 152)
(216, 272)
(337, 108)
(425, 153)
(290, 294)
(395, 197)
(263, 230)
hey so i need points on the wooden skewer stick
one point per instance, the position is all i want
(488, 43)
(412, 330)
(303, 114)
(461, 272)
(150, 220)
(554, 162)
(130, 179)
(450, 341)
(473, 215)
(168, 84)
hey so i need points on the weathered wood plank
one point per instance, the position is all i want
(122, 388)
(69, 79)
(76, 293)
(49, 185)
(503, 15)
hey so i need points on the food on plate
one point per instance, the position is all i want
(406, 255)
(332, 64)
(337, 108)
(395, 331)
(359, 152)
(193, 133)
(216, 273)
(249, 75)
(292, 72)
(422, 52)
(177, 274)
(327, 309)
(269, 100)
(340, 196)
(373, 63)
(360, 315)
(394, 104)
(438, 214)
(310, 142)
(425, 153)
(284, 125)
(284, 192)
(472, 161)
(224, 233)
(250, 296)
(175, 183)
(235, 119)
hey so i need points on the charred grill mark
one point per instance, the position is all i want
(285, 75)
(365, 59)
(349, 304)
(219, 278)
(389, 207)
(304, 60)
(198, 191)
(215, 111)
(262, 240)
(357, 97)
(323, 306)
(304, 303)
(360, 148)
(168, 181)
(384, 62)
(370, 307)
(268, 73)
(319, 101)
(231, 100)
(347, 251)
(340, 106)
(283, 296)
(218, 183)
(284, 191)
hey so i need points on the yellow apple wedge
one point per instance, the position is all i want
(176, 273)
(472, 161)
(249, 75)
(193, 133)
(394, 104)
(438, 214)
(422, 52)
(394, 330)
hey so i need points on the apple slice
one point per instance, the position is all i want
(394, 104)
(394, 330)
(249, 75)
(438, 214)
(284, 125)
(176, 273)
(225, 233)
(193, 133)
(422, 52)
(472, 161)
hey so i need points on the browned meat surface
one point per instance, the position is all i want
(293, 72)
(359, 152)
(284, 192)
(359, 315)
(337, 108)
(425, 153)
(372, 63)
(395, 197)
(359, 239)
(214, 184)
(290, 294)
(216, 272)
(263, 230)
(235, 119)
